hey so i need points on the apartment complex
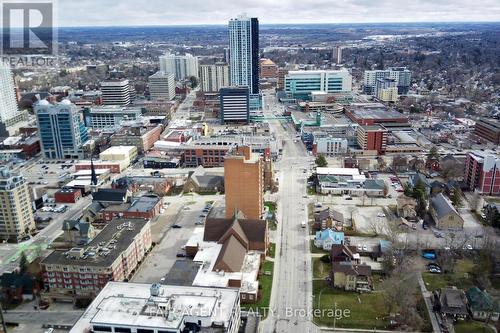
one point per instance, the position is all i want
(182, 66)
(386, 90)
(110, 116)
(488, 129)
(154, 308)
(162, 86)
(61, 131)
(16, 217)
(300, 84)
(372, 137)
(116, 92)
(234, 105)
(214, 77)
(401, 76)
(9, 112)
(244, 50)
(80, 273)
(482, 172)
(243, 183)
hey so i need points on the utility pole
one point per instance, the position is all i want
(3, 320)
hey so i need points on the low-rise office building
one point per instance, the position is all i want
(145, 308)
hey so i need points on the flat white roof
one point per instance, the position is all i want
(79, 182)
(118, 150)
(161, 144)
(89, 172)
(338, 171)
(207, 255)
(131, 304)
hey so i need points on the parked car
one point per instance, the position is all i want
(380, 215)
(429, 254)
(180, 255)
(176, 226)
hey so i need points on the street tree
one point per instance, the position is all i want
(321, 161)
(456, 198)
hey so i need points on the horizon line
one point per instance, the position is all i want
(283, 24)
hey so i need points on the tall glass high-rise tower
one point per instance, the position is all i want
(244, 50)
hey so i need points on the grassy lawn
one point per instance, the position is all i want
(266, 284)
(315, 249)
(472, 327)
(272, 250)
(461, 278)
(366, 310)
(320, 269)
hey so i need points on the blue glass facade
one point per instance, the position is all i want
(61, 131)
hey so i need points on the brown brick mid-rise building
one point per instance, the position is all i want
(141, 137)
(488, 129)
(268, 69)
(243, 182)
(372, 138)
(112, 255)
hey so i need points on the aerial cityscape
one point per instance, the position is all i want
(259, 168)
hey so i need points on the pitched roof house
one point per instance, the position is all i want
(326, 238)
(444, 214)
(482, 305)
(453, 303)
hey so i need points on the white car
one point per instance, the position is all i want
(468, 247)
(380, 215)
(365, 248)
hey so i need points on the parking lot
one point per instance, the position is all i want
(47, 173)
(169, 239)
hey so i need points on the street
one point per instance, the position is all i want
(292, 281)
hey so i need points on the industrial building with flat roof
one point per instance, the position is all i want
(374, 113)
(145, 308)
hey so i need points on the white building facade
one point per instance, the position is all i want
(115, 92)
(9, 112)
(214, 77)
(162, 86)
(182, 66)
(300, 84)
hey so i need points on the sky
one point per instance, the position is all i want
(195, 12)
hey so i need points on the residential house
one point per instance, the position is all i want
(78, 232)
(351, 276)
(322, 219)
(416, 164)
(433, 164)
(406, 207)
(205, 180)
(344, 252)
(482, 305)
(444, 214)
(492, 212)
(16, 287)
(337, 220)
(416, 178)
(452, 302)
(326, 238)
(437, 187)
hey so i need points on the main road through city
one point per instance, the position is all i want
(291, 298)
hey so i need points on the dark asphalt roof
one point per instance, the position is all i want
(114, 230)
